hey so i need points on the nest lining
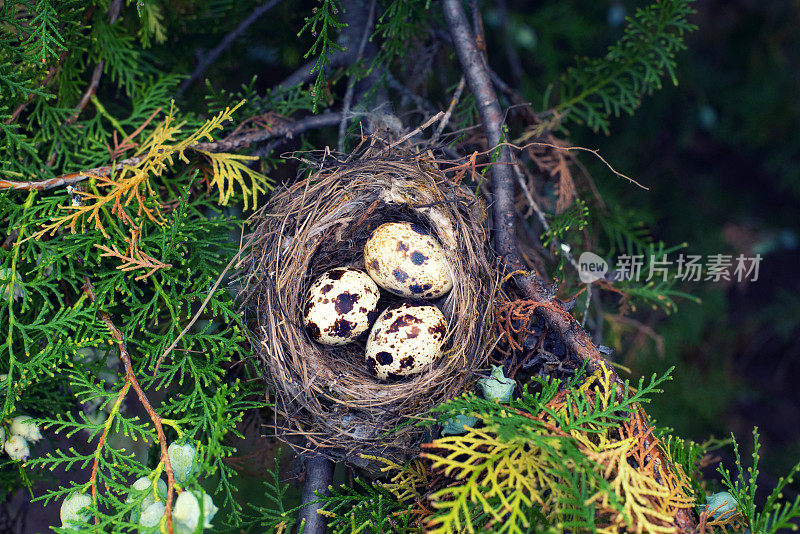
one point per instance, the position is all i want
(326, 399)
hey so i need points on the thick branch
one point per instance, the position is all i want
(223, 45)
(319, 475)
(480, 84)
(478, 79)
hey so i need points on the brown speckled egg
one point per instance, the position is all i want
(405, 339)
(405, 259)
(340, 306)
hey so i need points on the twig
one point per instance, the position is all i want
(414, 132)
(202, 306)
(87, 95)
(511, 51)
(319, 475)
(288, 131)
(306, 72)
(94, 82)
(594, 151)
(113, 15)
(96, 463)
(453, 103)
(351, 83)
(130, 377)
(225, 145)
(423, 104)
(212, 56)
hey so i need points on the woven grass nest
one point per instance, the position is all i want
(326, 400)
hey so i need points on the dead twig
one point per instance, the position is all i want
(351, 83)
(223, 45)
(284, 131)
(453, 103)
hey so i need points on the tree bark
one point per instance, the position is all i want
(319, 475)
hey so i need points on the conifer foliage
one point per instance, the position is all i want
(120, 213)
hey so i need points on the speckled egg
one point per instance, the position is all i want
(405, 339)
(405, 259)
(340, 306)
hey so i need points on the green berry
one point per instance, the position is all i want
(25, 427)
(455, 425)
(142, 484)
(497, 387)
(188, 507)
(719, 504)
(152, 515)
(17, 448)
(182, 457)
(74, 510)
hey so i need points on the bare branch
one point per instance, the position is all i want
(319, 475)
(531, 284)
(283, 131)
(450, 108)
(223, 45)
(351, 85)
(480, 85)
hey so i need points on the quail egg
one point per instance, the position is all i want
(405, 259)
(405, 339)
(340, 306)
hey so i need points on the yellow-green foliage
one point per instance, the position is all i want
(574, 465)
(156, 155)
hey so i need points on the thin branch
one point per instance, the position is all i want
(96, 463)
(287, 130)
(199, 312)
(130, 377)
(306, 71)
(223, 45)
(113, 15)
(395, 84)
(453, 103)
(284, 131)
(351, 83)
(414, 132)
(91, 89)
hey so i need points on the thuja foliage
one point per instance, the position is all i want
(104, 269)
(596, 89)
(566, 455)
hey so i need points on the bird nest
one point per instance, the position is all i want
(326, 400)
